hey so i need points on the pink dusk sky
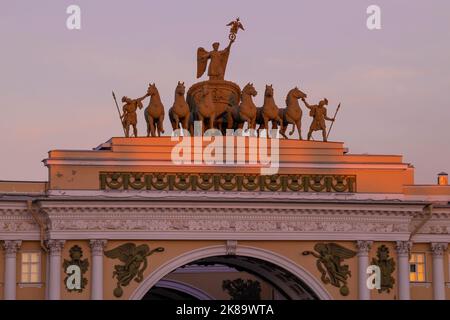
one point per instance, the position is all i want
(393, 83)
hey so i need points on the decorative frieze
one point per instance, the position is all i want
(226, 182)
(225, 224)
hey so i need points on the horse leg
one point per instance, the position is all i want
(283, 132)
(266, 125)
(156, 124)
(175, 122)
(299, 129)
(310, 134)
(280, 121)
(185, 123)
(260, 128)
(201, 120)
(161, 125)
(244, 119)
(151, 127)
(230, 121)
(219, 124)
(274, 127)
(293, 122)
(211, 123)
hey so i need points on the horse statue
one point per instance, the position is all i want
(246, 111)
(203, 110)
(180, 113)
(268, 112)
(292, 114)
(154, 113)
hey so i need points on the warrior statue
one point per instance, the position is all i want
(129, 117)
(319, 115)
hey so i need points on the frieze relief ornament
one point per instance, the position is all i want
(16, 220)
(387, 267)
(229, 224)
(226, 182)
(330, 257)
(134, 260)
(76, 254)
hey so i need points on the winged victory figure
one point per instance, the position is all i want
(218, 61)
(218, 58)
(135, 262)
(329, 258)
(235, 26)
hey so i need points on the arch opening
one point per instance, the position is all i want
(284, 278)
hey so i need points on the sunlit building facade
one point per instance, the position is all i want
(123, 221)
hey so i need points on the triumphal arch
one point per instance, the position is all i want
(221, 209)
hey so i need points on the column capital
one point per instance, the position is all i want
(363, 247)
(438, 248)
(11, 247)
(403, 247)
(55, 246)
(97, 246)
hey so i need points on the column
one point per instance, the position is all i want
(11, 247)
(403, 248)
(54, 287)
(97, 247)
(438, 250)
(363, 262)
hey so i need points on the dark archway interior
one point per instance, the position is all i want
(158, 293)
(288, 285)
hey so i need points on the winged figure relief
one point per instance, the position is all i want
(330, 257)
(134, 260)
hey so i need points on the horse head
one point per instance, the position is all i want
(250, 89)
(152, 90)
(269, 91)
(180, 89)
(298, 94)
